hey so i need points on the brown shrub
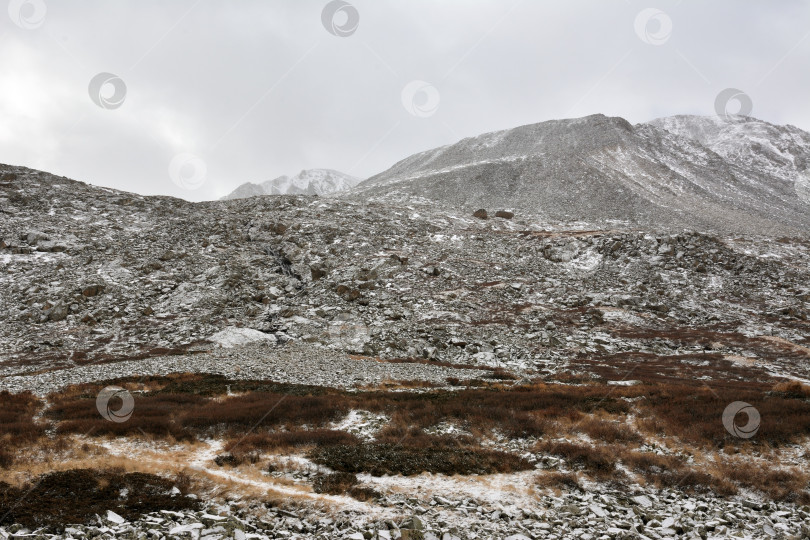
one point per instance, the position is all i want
(597, 460)
(792, 390)
(89, 493)
(558, 480)
(153, 415)
(695, 415)
(382, 459)
(265, 410)
(501, 374)
(673, 472)
(397, 433)
(609, 431)
(334, 483)
(17, 424)
(342, 482)
(292, 439)
(650, 463)
(788, 484)
(364, 493)
(6, 458)
(176, 406)
(236, 458)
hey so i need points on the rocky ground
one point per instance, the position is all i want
(94, 275)
(99, 285)
(610, 514)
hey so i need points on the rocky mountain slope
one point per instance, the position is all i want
(307, 182)
(321, 367)
(737, 175)
(93, 274)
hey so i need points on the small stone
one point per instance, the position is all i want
(186, 528)
(642, 500)
(480, 214)
(414, 523)
(112, 517)
(598, 510)
(58, 313)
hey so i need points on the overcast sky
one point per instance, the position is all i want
(204, 95)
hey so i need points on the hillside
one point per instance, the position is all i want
(682, 172)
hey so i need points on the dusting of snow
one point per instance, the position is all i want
(362, 424)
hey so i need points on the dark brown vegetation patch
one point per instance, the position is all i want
(695, 414)
(17, 418)
(340, 483)
(389, 459)
(261, 416)
(17, 425)
(597, 460)
(291, 439)
(788, 484)
(558, 480)
(334, 483)
(75, 497)
(183, 408)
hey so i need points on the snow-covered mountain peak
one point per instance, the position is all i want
(306, 182)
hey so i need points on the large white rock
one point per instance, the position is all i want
(233, 336)
(114, 518)
(190, 528)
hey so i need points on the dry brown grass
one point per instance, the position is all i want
(17, 425)
(792, 389)
(694, 414)
(284, 441)
(390, 459)
(599, 461)
(781, 484)
(294, 418)
(609, 431)
(557, 481)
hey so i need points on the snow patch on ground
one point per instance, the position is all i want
(362, 424)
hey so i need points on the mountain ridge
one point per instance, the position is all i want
(735, 175)
(306, 182)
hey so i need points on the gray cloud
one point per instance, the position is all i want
(260, 88)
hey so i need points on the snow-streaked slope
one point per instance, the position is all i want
(683, 172)
(307, 182)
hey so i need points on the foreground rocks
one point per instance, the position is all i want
(604, 515)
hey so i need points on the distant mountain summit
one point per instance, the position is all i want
(704, 173)
(307, 182)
